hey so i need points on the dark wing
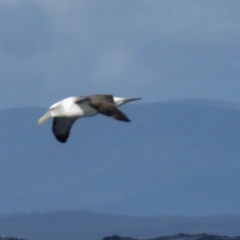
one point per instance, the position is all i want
(81, 99)
(61, 127)
(105, 105)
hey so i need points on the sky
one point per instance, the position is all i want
(158, 50)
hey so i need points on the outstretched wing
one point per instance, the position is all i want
(61, 127)
(105, 105)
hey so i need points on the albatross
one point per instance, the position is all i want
(68, 110)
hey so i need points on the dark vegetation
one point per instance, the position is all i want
(180, 236)
(75, 225)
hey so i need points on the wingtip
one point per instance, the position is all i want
(126, 120)
(61, 138)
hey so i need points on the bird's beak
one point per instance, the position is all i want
(44, 118)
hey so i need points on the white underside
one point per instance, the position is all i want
(82, 110)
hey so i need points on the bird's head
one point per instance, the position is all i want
(53, 111)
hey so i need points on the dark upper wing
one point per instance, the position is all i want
(96, 99)
(81, 99)
(61, 127)
(105, 105)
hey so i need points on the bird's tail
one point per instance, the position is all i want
(120, 101)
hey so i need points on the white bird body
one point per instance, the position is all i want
(68, 110)
(68, 107)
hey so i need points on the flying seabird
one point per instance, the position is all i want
(67, 111)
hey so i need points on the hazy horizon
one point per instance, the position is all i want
(178, 158)
(91, 226)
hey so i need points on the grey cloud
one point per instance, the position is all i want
(24, 28)
(158, 50)
(25, 39)
(162, 38)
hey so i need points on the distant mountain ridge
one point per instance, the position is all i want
(173, 158)
(180, 236)
(207, 102)
(75, 225)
